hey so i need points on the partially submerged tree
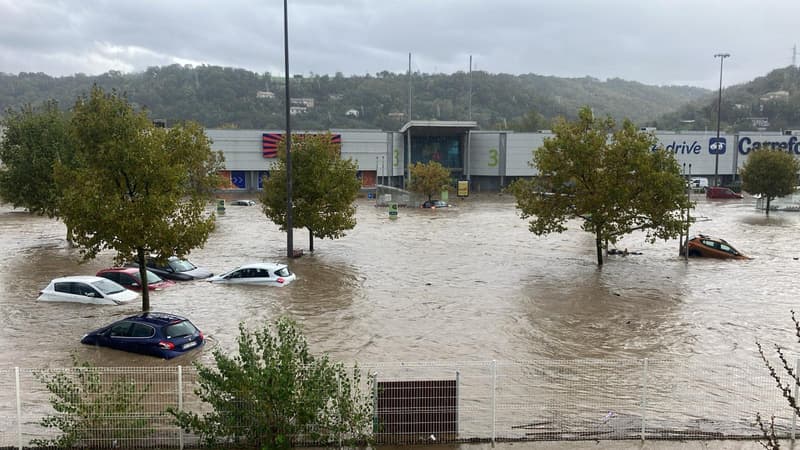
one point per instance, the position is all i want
(428, 179)
(324, 187)
(770, 173)
(136, 189)
(34, 139)
(275, 394)
(610, 179)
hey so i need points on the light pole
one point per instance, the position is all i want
(721, 57)
(288, 140)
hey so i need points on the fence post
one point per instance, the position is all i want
(339, 407)
(794, 413)
(494, 400)
(458, 398)
(19, 408)
(180, 404)
(644, 396)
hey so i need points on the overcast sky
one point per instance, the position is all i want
(660, 42)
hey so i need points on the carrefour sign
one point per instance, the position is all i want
(715, 146)
(747, 144)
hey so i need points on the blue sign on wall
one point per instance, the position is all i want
(262, 174)
(238, 179)
(716, 146)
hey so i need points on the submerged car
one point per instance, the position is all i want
(721, 192)
(156, 334)
(242, 203)
(257, 273)
(176, 269)
(711, 247)
(130, 278)
(435, 204)
(86, 289)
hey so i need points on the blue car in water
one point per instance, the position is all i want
(157, 334)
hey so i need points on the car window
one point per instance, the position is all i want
(283, 272)
(151, 278)
(122, 329)
(107, 286)
(63, 287)
(184, 328)
(181, 265)
(85, 290)
(235, 274)
(140, 330)
(261, 273)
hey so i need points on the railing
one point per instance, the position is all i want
(478, 401)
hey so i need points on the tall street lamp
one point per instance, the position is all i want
(721, 57)
(288, 139)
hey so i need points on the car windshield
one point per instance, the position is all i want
(151, 277)
(179, 329)
(107, 286)
(283, 272)
(181, 265)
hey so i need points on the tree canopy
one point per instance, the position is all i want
(34, 139)
(135, 188)
(324, 187)
(770, 173)
(607, 177)
(428, 179)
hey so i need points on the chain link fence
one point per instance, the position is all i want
(425, 403)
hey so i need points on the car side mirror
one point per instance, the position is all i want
(134, 284)
(90, 294)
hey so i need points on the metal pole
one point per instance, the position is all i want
(721, 57)
(458, 396)
(19, 409)
(289, 225)
(644, 396)
(688, 211)
(469, 101)
(180, 404)
(794, 413)
(494, 401)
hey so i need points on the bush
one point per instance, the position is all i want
(91, 411)
(274, 393)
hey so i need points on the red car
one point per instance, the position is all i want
(721, 192)
(129, 278)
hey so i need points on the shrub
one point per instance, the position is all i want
(275, 393)
(90, 410)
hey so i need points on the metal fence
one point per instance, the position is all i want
(434, 402)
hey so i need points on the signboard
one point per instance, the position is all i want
(393, 211)
(716, 146)
(239, 179)
(463, 188)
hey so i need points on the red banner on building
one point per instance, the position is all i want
(269, 142)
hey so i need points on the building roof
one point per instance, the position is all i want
(439, 127)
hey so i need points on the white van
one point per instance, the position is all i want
(698, 183)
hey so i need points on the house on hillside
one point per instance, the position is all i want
(352, 113)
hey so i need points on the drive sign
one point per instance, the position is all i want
(716, 146)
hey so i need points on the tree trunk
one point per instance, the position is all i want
(310, 241)
(598, 243)
(769, 199)
(143, 276)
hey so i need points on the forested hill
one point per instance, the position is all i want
(771, 102)
(227, 97)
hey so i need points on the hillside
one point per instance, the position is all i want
(769, 102)
(228, 97)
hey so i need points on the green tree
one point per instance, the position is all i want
(770, 173)
(428, 179)
(34, 139)
(324, 187)
(91, 405)
(611, 179)
(135, 188)
(531, 121)
(275, 394)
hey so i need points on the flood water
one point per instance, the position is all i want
(469, 283)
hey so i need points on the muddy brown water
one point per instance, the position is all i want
(469, 283)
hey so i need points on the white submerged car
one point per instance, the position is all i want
(269, 274)
(86, 289)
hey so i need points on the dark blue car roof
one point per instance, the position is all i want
(156, 318)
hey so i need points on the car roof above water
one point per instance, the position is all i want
(79, 278)
(157, 318)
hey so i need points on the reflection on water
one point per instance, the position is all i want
(467, 283)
